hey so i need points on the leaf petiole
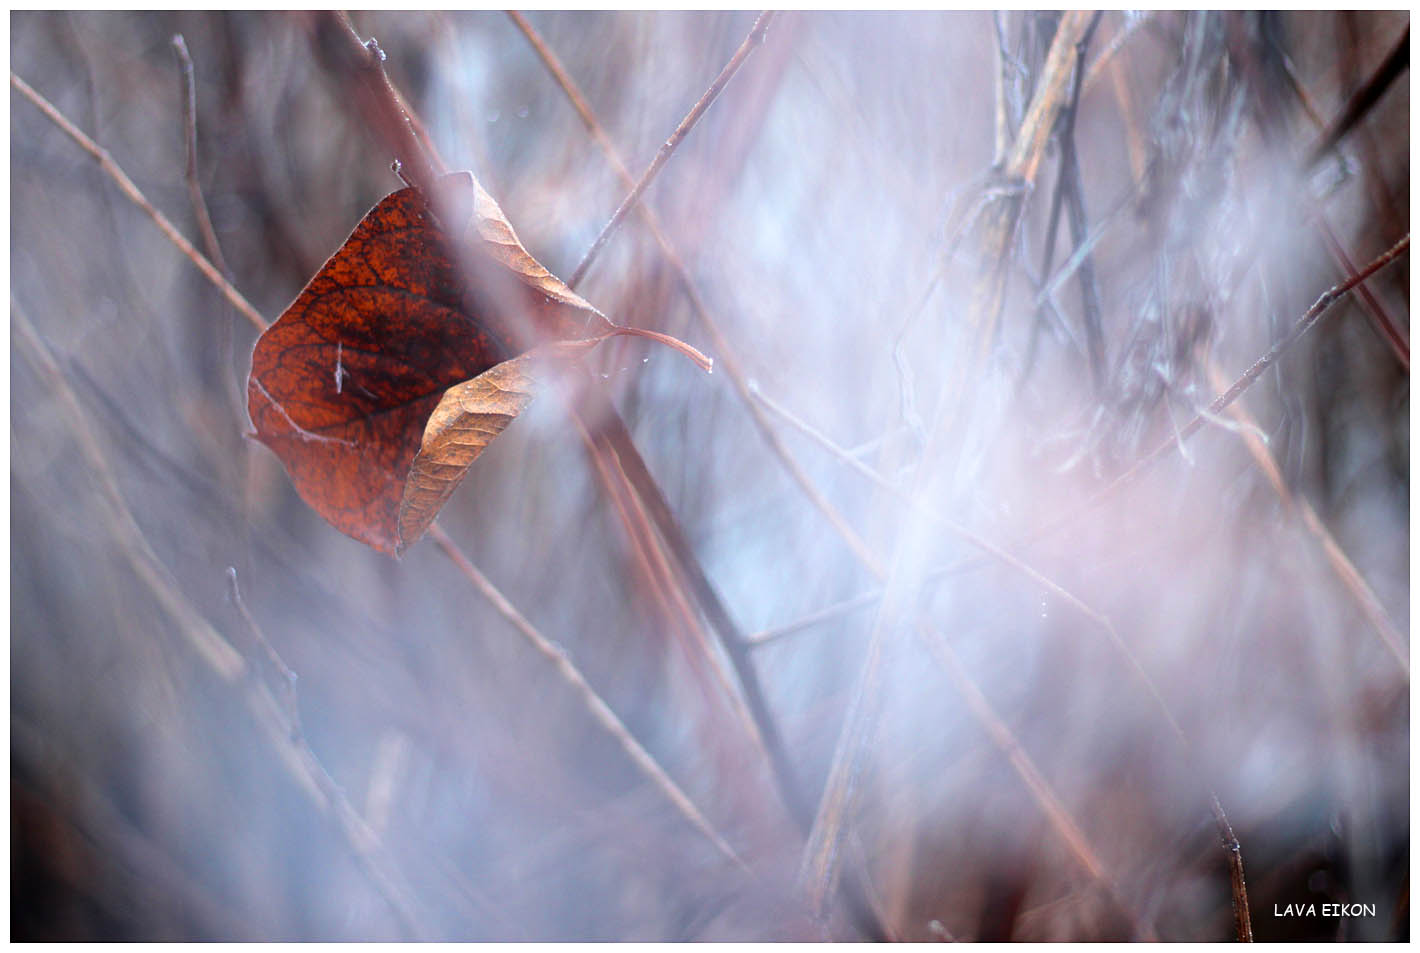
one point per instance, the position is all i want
(706, 364)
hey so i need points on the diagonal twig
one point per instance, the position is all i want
(209, 271)
(212, 647)
(756, 36)
(1354, 583)
(599, 709)
(1389, 70)
(1304, 324)
(126, 186)
(820, 863)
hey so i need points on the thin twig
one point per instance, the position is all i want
(599, 709)
(126, 186)
(1351, 579)
(1386, 326)
(194, 187)
(1249, 376)
(393, 122)
(748, 46)
(211, 646)
(1242, 916)
(1390, 69)
(819, 866)
(733, 642)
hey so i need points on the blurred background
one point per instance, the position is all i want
(349, 747)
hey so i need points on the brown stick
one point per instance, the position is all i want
(1354, 583)
(599, 709)
(756, 36)
(216, 652)
(194, 187)
(1249, 377)
(131, 191)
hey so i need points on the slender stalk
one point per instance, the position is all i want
(216, 652)
(131, 191)
(756, 36)
(599, 709)
(189, 128)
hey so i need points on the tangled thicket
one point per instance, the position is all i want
(963, 274)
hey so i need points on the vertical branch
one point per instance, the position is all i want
(819, 866)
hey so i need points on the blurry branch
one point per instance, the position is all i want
(820, 866)
(194, 187)
(755, 38)
(1132, 22)
(1050, 805)
(1022, 161)
(363, 65)
(1079, 227)
(198, 627)
(211, 646)
(734, 643)
(1240, 386)
(1069, 191)
(1387, 326)
(1040, 789)
(1395, 63)
(599, 709)
(126, 186)
(1002, 126)
(1351, 579)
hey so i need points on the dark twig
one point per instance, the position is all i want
(1242, 917)
(194, 187)
(339, 46)
(1075, 200)
(1395, 63)
(1385, 325)
(1249, 376)
(756, 36)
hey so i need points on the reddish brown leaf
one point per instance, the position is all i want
(343, 384)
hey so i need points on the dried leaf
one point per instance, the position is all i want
(467, 419)
(345, 385)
